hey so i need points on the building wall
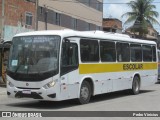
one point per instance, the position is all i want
(15, 17)
(0, 8)
(151, 35)
(87, 16)
(0, 19)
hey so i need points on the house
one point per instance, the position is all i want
(112, 25)
(151, 33)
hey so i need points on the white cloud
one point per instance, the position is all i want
(115, 11)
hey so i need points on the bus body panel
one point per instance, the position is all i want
(105, 76)
(158, 56)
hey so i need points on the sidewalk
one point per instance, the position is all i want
(2, 84)
(2, 89)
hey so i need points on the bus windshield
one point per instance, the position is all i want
(34, 55)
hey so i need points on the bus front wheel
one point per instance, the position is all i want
(85, 93)
(135, 85)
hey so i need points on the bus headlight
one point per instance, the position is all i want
(10, 84)
(50, 84)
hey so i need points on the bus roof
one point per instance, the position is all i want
(87, 34)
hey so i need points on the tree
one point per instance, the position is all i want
(142, 15)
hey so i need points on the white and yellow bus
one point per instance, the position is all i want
(66, 64)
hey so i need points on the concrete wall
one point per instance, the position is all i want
(15, 17)
(10, 31)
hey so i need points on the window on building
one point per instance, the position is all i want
(98, 28)
(41, 10)
(136, 52)
(33, 1)
(98, 5)
(89, 50)
(89, 2)
(107, 51)
(58, 19)
(29, 18)
(88, 26)
(123, 52)
(74, 23)
(28, 0)
(147, 53)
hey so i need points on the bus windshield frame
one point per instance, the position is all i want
(34, 58)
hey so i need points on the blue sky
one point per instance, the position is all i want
(116, 10)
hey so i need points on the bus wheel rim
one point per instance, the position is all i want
(136, 85)
(84, 93)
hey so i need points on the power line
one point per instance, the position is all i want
(94, 2)
(85, 2)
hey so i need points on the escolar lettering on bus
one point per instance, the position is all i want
(132, 66)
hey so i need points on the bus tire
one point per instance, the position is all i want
(135, 85)
(85, 93)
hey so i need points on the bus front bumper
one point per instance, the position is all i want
(40, 94)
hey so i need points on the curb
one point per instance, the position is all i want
(3, 85)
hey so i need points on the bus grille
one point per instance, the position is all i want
(33, 95)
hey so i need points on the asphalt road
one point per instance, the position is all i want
(147, 100)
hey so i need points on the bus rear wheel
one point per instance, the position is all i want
(135, 85)
(85, 93)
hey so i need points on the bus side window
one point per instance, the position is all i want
(136, 52)
(108, 51)
(89, 50)
(123, 52)
(69, 62)
(147, 53)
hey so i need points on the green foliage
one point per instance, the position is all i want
(142, 15)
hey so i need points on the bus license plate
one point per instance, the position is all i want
(26, 92)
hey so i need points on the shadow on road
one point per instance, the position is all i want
(115, 95)
(158, 82)
(70, 103)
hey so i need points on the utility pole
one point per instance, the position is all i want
(36, 18)
(46, 16)
(3, 18)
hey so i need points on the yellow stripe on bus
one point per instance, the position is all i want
(115, 67)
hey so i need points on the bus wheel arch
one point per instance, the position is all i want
(136, 84)
(86, 91)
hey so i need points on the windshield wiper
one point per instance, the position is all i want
(17, 68)
(32, 58)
